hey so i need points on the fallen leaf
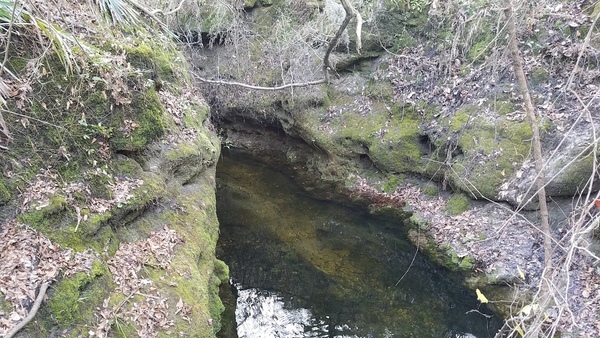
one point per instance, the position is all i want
(179, 306)
(528, 309)
(481, 297)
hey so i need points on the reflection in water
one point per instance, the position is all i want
(261, 313)
(318, 269)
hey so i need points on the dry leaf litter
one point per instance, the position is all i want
(27, 260)
(149, 310)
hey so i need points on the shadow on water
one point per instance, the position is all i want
(341, 264)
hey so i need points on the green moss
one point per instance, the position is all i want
(457, 204)
(491, 149)
(456, 262)
(56, 222)
(460, 120)
(4, 194)
(417, 221)
(430, 189)
(195, 115)
(596, 10)
(215, 305)
(74, 298)
(5, 306)
(482, 43)
(44, 216)
(398, 150)
(478, 50)
(150, 191)
(440, 254)
(403, 23)
(391, 185)
(147, 112)
(380, 89)
(150, 55)
(249, 3)
(97, 103)
(503, 107)
(574, 177)
(221, 270)
(194, 270)
(539, 75)
(126, 166)
(466, 263)
(99, 185)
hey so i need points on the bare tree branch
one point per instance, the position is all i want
(537, 146)
(245, 85)
(351, 13)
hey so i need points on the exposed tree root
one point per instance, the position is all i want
(32, 312)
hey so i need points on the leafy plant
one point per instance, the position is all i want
(118, 11)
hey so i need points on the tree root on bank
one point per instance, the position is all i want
(32, 312)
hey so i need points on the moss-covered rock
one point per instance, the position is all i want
(146, 121)
(73, 299)
(491, 149)
(457, 204)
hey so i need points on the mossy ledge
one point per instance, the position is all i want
(109, 127)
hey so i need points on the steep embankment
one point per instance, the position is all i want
(107, 186)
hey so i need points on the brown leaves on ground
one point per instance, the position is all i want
(180, 106)
(377, 198)
(45, 185)
(28, 259)
(149, 309)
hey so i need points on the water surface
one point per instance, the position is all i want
(309, 268)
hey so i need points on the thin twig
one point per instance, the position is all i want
(586, 43)
(413, 259)
(32, 118)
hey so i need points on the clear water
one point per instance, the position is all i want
(308, 268)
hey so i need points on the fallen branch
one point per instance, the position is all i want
(32, 312)
(244, 85)
(30, 117)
